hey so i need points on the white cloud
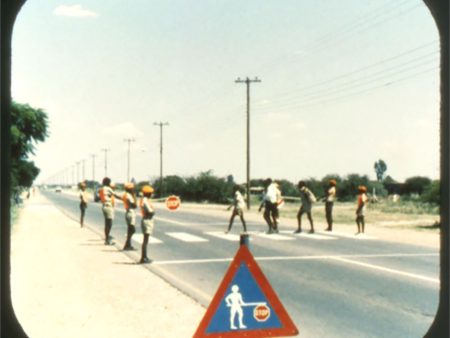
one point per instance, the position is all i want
(74, 11)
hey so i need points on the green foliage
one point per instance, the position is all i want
(380, 169)
(416, 185)
(432, 193)
(348, 188)
(287, 188)
(28, 126)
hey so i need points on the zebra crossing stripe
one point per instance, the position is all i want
(185, 237)
(222, 235)
(140, 239)
(309, 236)
(347, 235)
(276, 237)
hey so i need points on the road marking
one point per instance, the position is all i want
(310, 236)
(342, 258)
(222, 235)
(140, 239)
(168, 220)
(347, 235)
(276, 237)
(185, 237)
(192, 261)
(381, 268)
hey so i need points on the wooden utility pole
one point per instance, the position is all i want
(106, 161)
(161, 124)
(247, 81)
(129, 140)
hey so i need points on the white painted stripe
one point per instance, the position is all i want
(193, 261)
(222, 235)
(347, 235)
(168, 220)
(381, 268)
(275, 237)
(140, 239)
(310, 236)
(185, 237)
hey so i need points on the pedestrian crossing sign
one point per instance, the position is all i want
(245, 304)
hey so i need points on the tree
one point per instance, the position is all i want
(432, 193)
(380, 169)
(417, 185)
(28, 127)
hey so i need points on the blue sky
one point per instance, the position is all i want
(344, 83)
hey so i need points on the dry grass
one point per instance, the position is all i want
(405, 214)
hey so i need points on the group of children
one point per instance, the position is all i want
(272, 200)
(107, 197)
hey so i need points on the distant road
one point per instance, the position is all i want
(331, 285)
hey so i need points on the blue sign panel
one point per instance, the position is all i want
(244, 305)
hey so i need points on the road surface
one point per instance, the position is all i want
(331, 284)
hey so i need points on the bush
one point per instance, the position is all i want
(432, 193)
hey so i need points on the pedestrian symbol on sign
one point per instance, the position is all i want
(235, 302)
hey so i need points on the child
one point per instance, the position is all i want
(130, 203)
(147, 222)
(308, 199)
(362, 201)
(239, 205)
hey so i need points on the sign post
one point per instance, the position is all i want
(245, 305)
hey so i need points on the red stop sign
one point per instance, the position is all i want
(261, 313)
(173, 202)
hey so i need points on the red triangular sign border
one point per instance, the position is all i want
(244, 255)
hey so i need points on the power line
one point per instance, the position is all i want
(367, 79)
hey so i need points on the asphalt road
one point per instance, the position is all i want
(331, 285)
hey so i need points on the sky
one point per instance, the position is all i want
(344, 83)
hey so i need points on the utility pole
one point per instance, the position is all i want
(84, 176)
(161, 124)
(93, 167)
(106, 160)
(129, 140)
(78, 172)
(247, 81)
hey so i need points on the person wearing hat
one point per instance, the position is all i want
(83, 201)
(361, 207)
(329, 202)
(238, 208)
(308, 199)
(130, 204)
(147, 222)
(107, 196)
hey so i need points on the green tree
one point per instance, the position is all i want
(380, 169)
(417, 185)
(348, 188)
(432, 193)
(28, 127)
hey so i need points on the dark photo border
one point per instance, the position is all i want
(11, 328)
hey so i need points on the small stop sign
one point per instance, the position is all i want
(173, 202)
(261, 313)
